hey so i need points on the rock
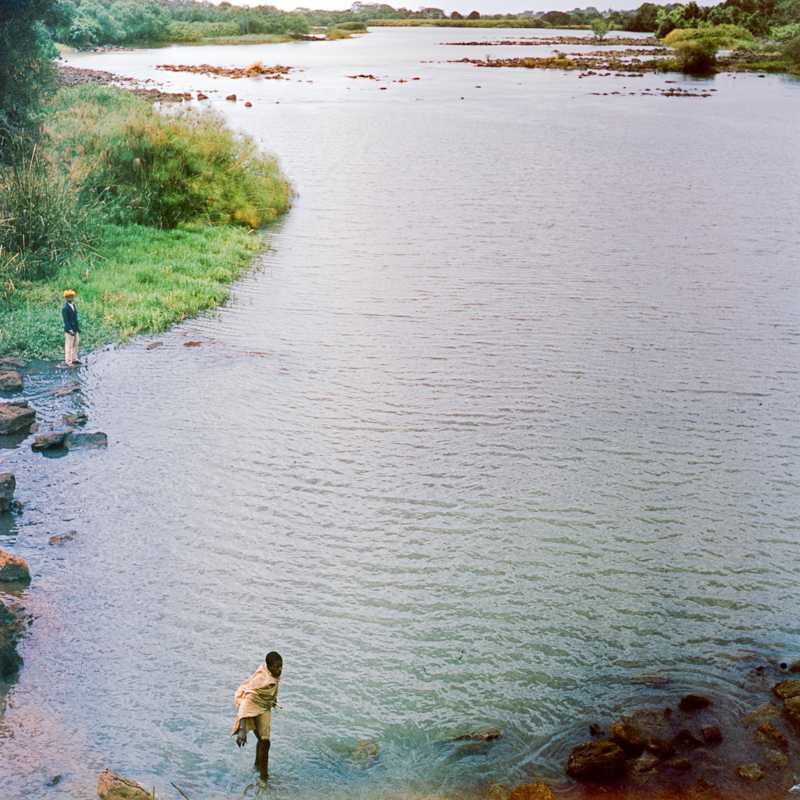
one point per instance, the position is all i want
(78, 440)
(366, 750)
(153, 345)
(788, 688)
(70, 388)
(531, 791)
(628, 737)
(792, 709)
(787, 665)
(14, 416)
(15, 363)
(61, 538)
(595, 729)
(711, 734)
(7, 485)
(248, 104)
(13, 570)
(52, 439)
(646, 763)
(112, 786)
(201, 96)
(762, 714)
(750, 772)
(776, 759)
(11, 381)
(11, 626)
(596, 762)
(78, 418)
(693, 702)
(683, 764)
(231, 97)
(768, 734)
(686, 739)
(660, 748)
(702, 788)
(483, 734)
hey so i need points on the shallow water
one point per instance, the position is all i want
(502, 430)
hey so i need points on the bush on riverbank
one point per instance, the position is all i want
(163, 169)
(718, 37)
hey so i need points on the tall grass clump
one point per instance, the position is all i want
(718, 37)
(163, 170)
(41, 224)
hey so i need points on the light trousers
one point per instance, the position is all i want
(71, 341)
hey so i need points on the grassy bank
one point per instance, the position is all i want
(149, 217)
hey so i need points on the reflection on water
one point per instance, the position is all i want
(502, 431)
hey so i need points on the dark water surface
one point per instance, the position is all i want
(504, 420)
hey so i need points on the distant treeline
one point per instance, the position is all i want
(96, 22)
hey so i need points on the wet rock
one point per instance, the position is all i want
(682, 764)
(750, 772)
(11, 626)
(483, 734)
(13, 569)
(78, 418)
(762, 714)
(596, 762)
(11, 381)
(686, 740)
(711, 734)
(702, 789)
(792, 709)
(532, 791)
(78, 440)
(153, 345)
(646, 762)
(776, 759)
(7, 485)
(660, 748)
(15, 416)
(788, 688)
(628, 737)
(70, 388)
(231, 97)
(52, 439)
(693, 702)
(596, 730)
(10, 362)
(113, 786)
(768, 734)
(62, 538)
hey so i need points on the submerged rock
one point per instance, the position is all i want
(113, 786)
(628, 737)
(78, 418)
(78, 440)
(483, 735)
(15, 415)
(531, 791)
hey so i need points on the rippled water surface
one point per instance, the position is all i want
(505, 419)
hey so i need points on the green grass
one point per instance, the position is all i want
(143, 280)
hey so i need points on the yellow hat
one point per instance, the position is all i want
(69, 293)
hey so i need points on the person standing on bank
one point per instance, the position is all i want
(256, 698)
(72, 330)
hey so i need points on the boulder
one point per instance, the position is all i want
(78, 440)
(483, 734)
(11, 381)
(11, 625)
(788, 688)
(61, 538)
(7, 485)
(768, 734)
(686, 740)
(14, 416)
(13, 570)
(711, 734)
(53, 439)
(628, 737)
(531, 791)
(596, 762)
(762, 714)
(113, 786)
(10, 362)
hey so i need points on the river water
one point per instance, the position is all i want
(502, 430)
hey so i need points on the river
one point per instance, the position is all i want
(504, 420)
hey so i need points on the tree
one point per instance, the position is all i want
(600, 27)
(27, 70)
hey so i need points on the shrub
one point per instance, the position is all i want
(791, 51)
(721, 37)
(164, 169)
(360, 27)
(783, 33)
(697, 57)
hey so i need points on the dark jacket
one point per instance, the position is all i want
(70, 316)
